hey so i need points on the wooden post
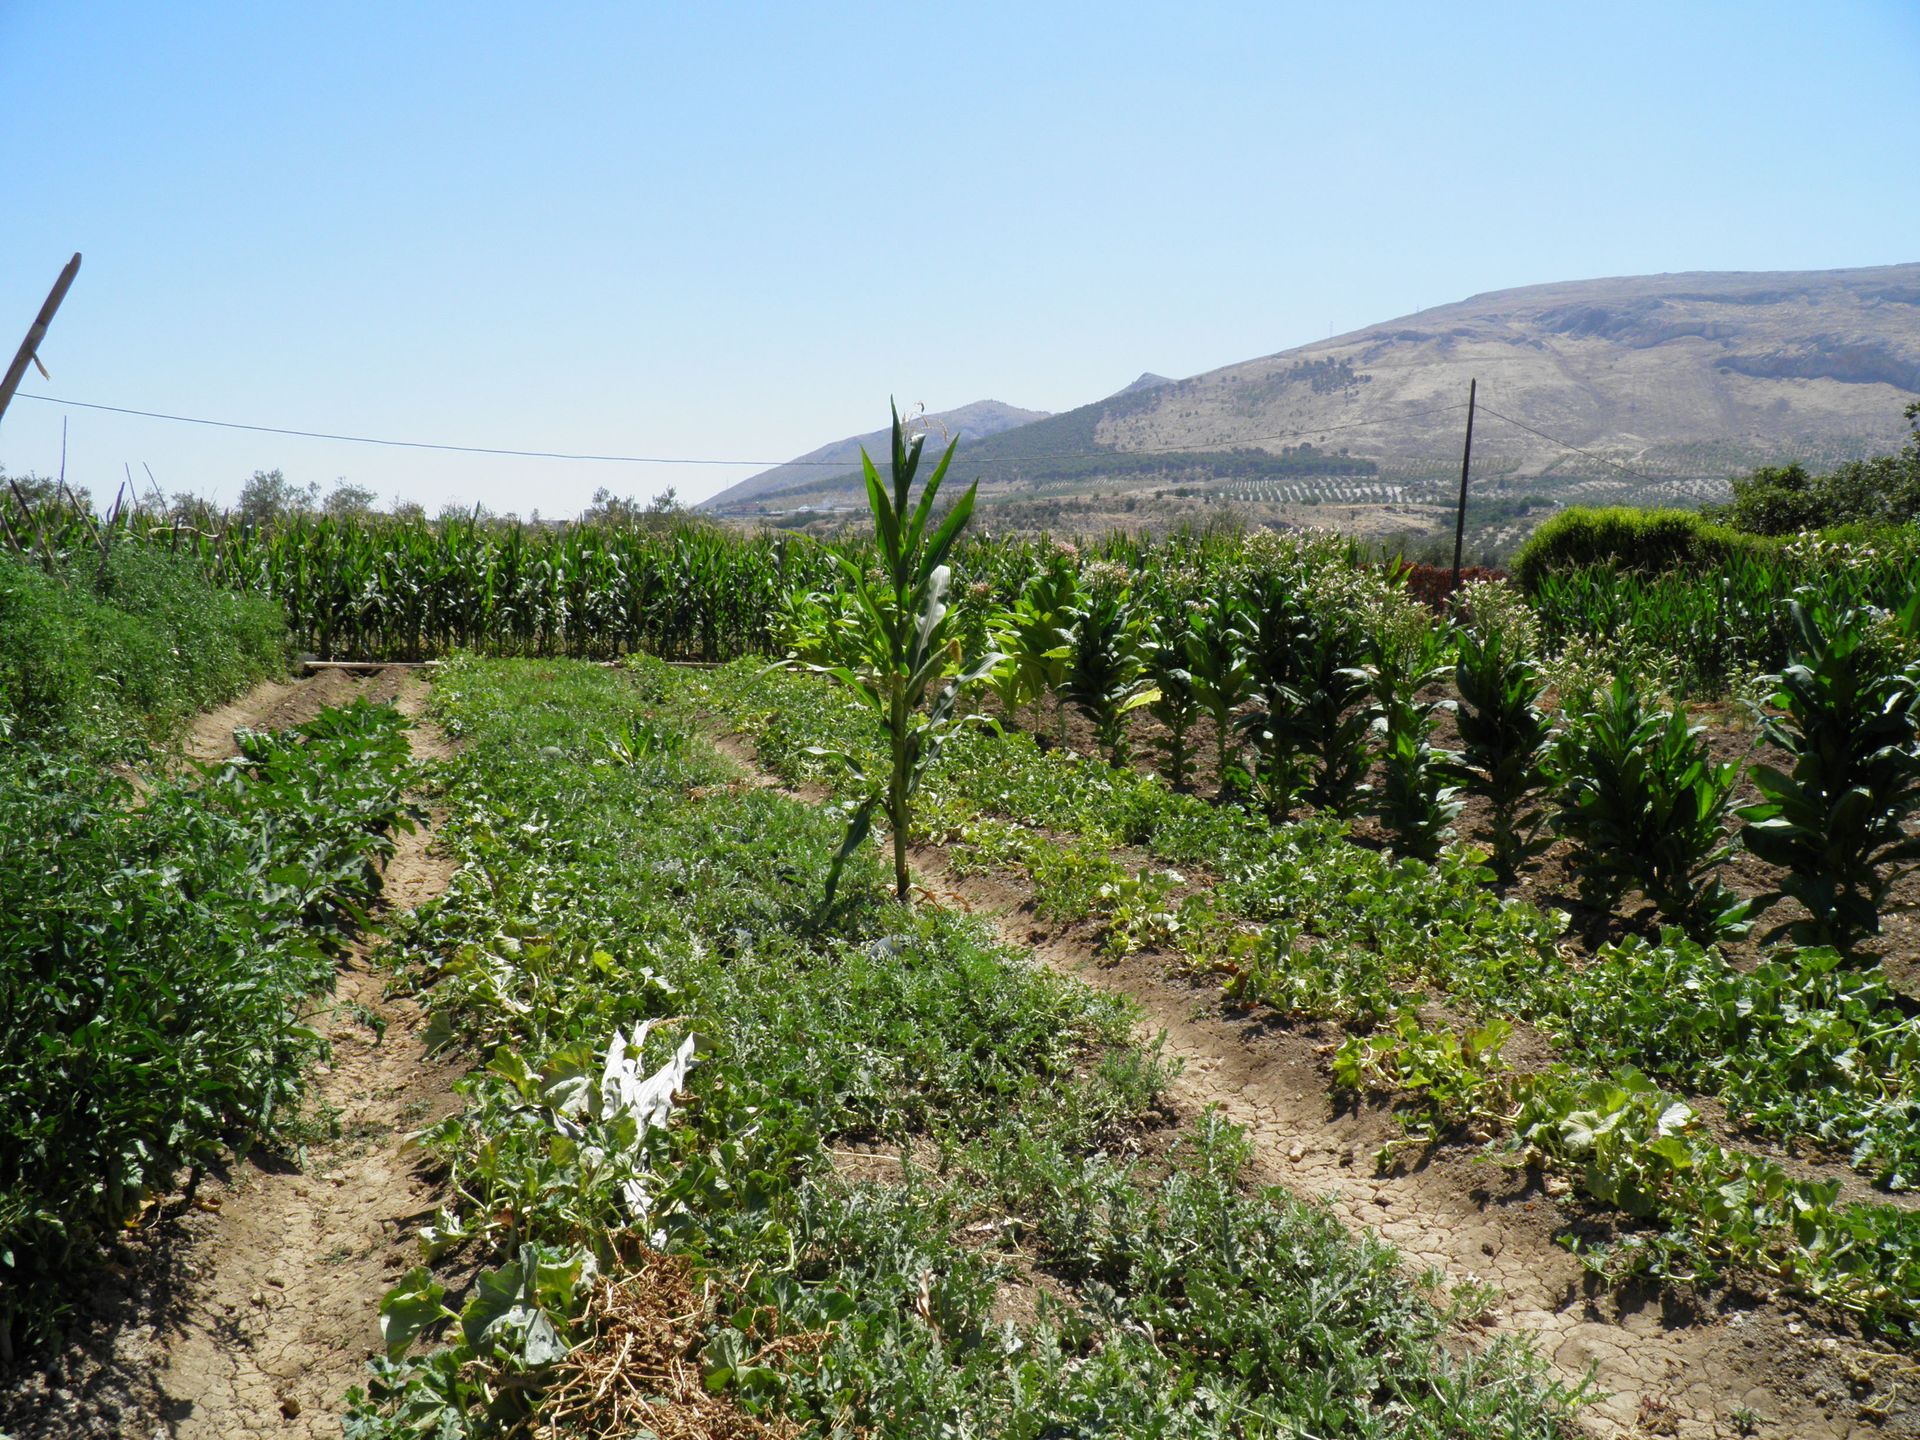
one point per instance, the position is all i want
(1466, 459)
(30, 347)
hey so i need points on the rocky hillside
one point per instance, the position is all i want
(1681, 378)
(973, 422)
(1662, 384)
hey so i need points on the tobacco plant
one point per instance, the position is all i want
(1504, 736)
(1645, 806)
(1279, 634)
(1845, 719)
(1177, 704)
(1106, 677)
(1414, 800)
(1216, 664)
(1334, 722)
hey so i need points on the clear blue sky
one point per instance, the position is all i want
(723, 230)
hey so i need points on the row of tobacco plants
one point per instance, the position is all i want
(1305, 681)
(1299, 920)
(916, 1182)
(158, 945)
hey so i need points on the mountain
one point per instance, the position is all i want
(1683, 378)
(976, 421)
(1147, 381)
(1643, 389)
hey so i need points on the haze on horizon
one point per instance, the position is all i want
(735, 234)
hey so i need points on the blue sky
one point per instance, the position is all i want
(733, 231)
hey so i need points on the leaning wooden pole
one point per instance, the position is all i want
(1466, 460)
(30, 347)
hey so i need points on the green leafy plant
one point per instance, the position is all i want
(1279, 639)
(904, 660)
(1414, 799)
(1032, 641)
(1177, 703)
(1216, 664)
(1106, 677)
(1645, 806)
(1334, 722)
(1845, 718)
(1504, 736)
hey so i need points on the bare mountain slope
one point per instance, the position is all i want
(976, 421)
(1669, 383)
(1687, 376)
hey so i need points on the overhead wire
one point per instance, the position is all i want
(838, 465)
(663, 459)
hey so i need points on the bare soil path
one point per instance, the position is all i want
(1669, 1367)
(253, 1309)
(285, 1317)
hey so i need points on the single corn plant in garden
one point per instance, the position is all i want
(1503, 736)
(1845, 717)
(1645, 806)
(903, 654)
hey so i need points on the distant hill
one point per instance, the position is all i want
(1685, 378)
(1665, 384)
(976, 421)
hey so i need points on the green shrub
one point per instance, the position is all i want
(1651, 541)
(1787, 499)
(106, 650)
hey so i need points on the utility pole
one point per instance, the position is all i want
(29, 352)
(1466, 459)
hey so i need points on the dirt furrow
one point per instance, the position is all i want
(283, 1317)
(1667, 1367)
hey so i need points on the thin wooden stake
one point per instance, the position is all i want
(1466, 460)
(30, 347)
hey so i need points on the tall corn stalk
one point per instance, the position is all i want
(903, 645)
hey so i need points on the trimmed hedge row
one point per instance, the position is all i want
(1651, 541)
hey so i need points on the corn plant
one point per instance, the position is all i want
(1645, 807)
(1845, 720)
(1504, 736)
(1106, 673)
(1414, 801)
(907, 664)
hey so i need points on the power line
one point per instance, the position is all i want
(841, 466)
(1556, 440)
(415, 444)
(844, 466)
